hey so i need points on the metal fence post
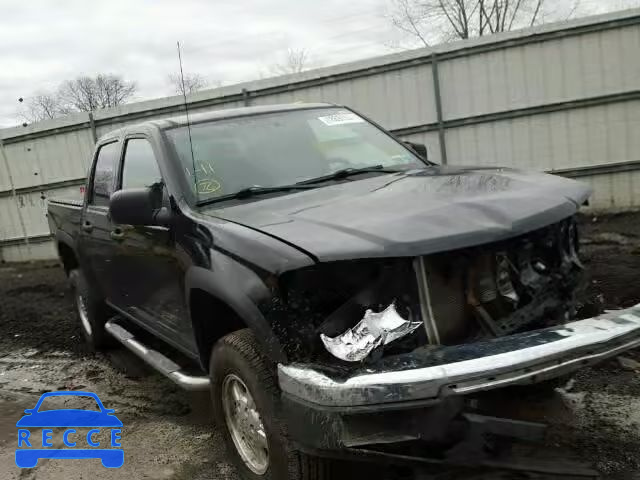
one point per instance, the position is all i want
(15, 198)
(438, 102)
(92, 126)
(245, 97)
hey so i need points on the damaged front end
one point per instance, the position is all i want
(364, 310)
(394, 352)
(350, 325)
(499, 289)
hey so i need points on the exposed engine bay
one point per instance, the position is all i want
(362, 310)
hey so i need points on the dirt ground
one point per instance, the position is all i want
(167, 432)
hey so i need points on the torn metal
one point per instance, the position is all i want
(374, 330)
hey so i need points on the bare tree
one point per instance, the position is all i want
(294, 61)
(428, 21)
(83, 94)
(410, 17)
(86, 94)
(43, 106)
(192, 83)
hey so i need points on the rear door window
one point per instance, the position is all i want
(104, 173)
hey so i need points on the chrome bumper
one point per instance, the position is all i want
(524, 358)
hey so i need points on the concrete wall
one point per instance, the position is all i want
(563, 98)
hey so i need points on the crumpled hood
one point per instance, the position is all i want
(412, 213)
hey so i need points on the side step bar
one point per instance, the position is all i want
(155, 359)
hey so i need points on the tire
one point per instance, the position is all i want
(93, 316)
(238, 357)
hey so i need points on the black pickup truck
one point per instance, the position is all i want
(338, 293)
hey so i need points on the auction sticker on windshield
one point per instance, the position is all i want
(69, 433)
(340, 118)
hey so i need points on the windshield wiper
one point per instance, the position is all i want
(303, 185)
(253, 191)
(347, 172)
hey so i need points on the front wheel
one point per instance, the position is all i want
(92, 312)
(246, 402)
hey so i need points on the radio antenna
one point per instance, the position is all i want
(186, 110)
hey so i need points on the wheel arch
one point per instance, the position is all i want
(67, 252)
(216, 309)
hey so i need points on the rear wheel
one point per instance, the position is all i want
(246, 405)
(92, 312)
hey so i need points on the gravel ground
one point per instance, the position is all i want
(167, 432)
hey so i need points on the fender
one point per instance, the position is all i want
(63, 238)
(66, 239)
(238, 288)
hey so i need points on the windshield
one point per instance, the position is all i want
(283, 148)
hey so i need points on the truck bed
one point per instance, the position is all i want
(64, 215)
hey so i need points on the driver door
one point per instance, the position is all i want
(148, 276)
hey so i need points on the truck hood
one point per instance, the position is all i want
(416, 212)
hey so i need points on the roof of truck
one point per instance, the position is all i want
(181, 120)
(235, 112)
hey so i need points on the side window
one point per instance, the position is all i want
(140, 168)
(104, 172)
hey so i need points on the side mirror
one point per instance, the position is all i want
(138, 206)
(419, 148)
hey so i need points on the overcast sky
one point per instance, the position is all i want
(43, 42)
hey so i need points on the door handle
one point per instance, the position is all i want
(87, 226)
(117, 234)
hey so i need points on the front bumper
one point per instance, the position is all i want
(438, 372)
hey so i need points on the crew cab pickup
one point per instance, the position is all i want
(337, 291)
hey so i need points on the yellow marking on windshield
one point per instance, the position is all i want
(207, 186)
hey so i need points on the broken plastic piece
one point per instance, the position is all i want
(373, 330)
(503, 280)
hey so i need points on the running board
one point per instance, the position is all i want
(155, 359)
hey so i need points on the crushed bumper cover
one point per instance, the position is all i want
(437, 372)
